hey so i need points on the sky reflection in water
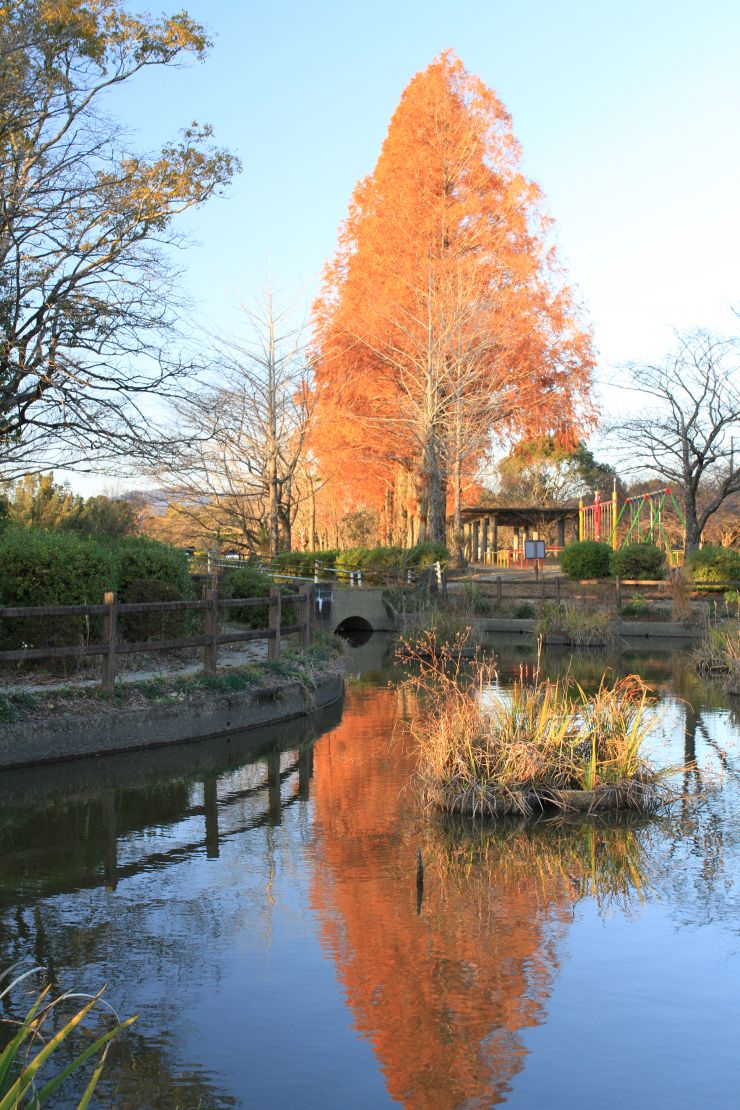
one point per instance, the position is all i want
(262, 918)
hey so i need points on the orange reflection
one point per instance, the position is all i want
(441, 995)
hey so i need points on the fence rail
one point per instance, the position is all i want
(210, 639)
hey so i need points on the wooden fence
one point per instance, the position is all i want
(111, 647)
(554, 587)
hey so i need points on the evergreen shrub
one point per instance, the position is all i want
(713, 563)
(52, 568)
(638, 561)
(586, 559)
(139, 559)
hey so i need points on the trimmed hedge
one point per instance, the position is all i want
(713, 563)
(139, 559)
(638, 561)
(62, 568)
(383, 562)
(136, 627)
(251, 581)
(586, 559)
(52, 568)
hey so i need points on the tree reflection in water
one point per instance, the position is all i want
(444, 995)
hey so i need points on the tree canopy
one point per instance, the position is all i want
(86, 288)
(444, 318)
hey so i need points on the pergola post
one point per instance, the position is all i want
(484, 541)
(475, 554)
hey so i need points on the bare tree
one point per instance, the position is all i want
(687, 430)
(86, 289)
(239, 468)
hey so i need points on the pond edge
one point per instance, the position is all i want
(106, 731)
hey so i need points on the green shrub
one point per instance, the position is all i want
(586, 559)
(247, 581)
(424, 554)
(713, 563)
(52, 568)
(136, 627)
(524, 612)
(638, 561)
(139, 559)
(251, 581)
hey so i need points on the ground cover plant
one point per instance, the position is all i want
(483, 752)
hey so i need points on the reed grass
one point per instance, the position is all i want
(579, 625)
(35, 1041)
(718, 652)
(483, 752)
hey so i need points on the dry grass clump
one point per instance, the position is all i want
(579, 625)
(718, 652)
(484, 752)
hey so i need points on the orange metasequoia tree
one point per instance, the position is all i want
(443, 322)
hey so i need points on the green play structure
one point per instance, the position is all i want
(641, 519)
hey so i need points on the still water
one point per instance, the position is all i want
(260, 913)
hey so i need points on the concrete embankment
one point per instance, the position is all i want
(103, 730)
(629, 630)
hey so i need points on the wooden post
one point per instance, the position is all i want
(273, 643)
(557, 589)
(618, 585)
(210, 651)
(308, 604)
(110, 622)
(499, 590)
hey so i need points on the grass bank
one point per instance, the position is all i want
(172, 689)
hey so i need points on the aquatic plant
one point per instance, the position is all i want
(484, 752)
(577, 624)
(718, 652)
(32, 1045)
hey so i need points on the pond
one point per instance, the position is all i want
(258, 908)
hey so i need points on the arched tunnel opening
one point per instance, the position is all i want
(355, 630)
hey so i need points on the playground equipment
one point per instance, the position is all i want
(640, 519)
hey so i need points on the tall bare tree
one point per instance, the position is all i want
(688, 432)
(86, 288)
(239, 468)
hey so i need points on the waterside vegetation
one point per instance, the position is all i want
(486, 753)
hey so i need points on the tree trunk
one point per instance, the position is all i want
(457, 528)
(692, 532)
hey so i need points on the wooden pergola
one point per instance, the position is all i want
(481, 524)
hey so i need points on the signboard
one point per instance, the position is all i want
(534, 549)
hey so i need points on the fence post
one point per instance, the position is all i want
(309, 612)
(499, 590)
(618, 586)
(110, 622)
(557, 589)
(273, 642)
(210, 661)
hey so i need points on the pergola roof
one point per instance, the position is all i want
(518, 516)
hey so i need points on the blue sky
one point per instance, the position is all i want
(628, 114)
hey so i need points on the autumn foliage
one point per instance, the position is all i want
(443, 319)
